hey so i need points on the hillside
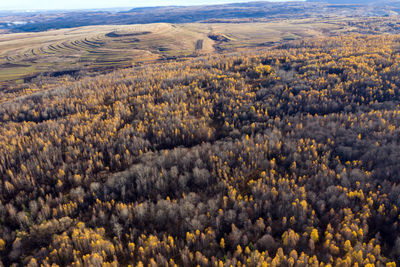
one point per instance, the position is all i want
(267, 11)
(70, 51)
(89, 50)
(281, 157)
(355, 1)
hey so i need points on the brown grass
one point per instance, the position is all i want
(28, 54)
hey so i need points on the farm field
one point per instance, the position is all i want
(93, 48)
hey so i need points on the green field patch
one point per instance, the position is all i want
(16, 73)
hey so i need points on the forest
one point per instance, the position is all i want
(288, 156)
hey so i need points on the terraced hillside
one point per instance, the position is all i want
(95, 47)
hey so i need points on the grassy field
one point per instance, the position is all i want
(26, 54)
(56, 52)
(261, 34)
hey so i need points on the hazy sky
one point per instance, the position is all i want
(80, 4)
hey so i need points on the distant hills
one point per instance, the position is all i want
(240, 12)
(345, 1)
(356, 1)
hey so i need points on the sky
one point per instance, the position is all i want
(85, 4)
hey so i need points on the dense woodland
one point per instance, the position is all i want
(283, 157)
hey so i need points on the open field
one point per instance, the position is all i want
(92, 48)
(243, 35)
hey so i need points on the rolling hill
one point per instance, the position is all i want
(267, 11)
(103, 48)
